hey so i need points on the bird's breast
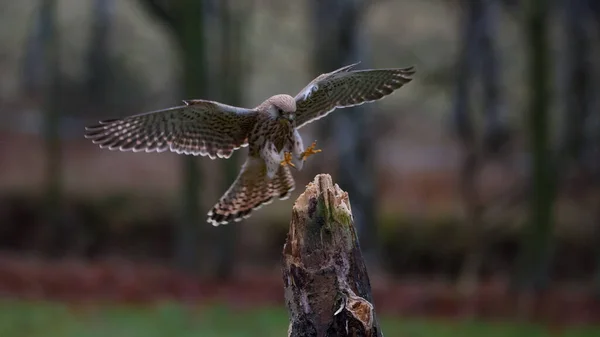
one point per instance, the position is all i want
(279, 132)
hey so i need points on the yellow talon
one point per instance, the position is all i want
(287, 159)
(310, 150)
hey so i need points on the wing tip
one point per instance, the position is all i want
(347, 68)
(411, 70)
(90, 135)
(189, 102)
(93, 127)
(405, 74)
(350, 66)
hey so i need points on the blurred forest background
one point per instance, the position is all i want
(475, 188)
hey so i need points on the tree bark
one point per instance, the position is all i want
(327, 288)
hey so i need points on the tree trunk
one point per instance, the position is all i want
(232, 22)
(593, 124)
(536, 245)
(496, 135)
(53, 178)
(327, 288)
(338, 42)
(34, 70)
(185, 20)
(471, 162)
(191, 38)
(98, 66)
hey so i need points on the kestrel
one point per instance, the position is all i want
(270, 130)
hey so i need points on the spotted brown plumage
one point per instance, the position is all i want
(344, 88)
(251, 190)
(270, 130)
(199, 128)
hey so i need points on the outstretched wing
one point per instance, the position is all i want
(200, 127)
(345, 88)
(250, 191)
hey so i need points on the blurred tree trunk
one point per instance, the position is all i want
(185, 19)
(477, 54)
(595, 5)
(466, 134)
(52, 82)
(191, 40)
(232, 21)
(496, 131)
(98, 53)
(32, 75)
(536, 248)
(577, 73)
(593, 125)
(337, 29)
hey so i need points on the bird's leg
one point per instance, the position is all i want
(272, 159)
(310, 151)
(287, 159)
(296, 147)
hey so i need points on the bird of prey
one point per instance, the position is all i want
(270, 130)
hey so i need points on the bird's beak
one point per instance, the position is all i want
(288, 118)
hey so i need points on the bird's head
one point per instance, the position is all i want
(282, 107)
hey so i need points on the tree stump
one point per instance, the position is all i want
(327, 289)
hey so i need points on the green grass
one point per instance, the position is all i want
(33, 319)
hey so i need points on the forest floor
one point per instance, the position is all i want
(122, 282)
(33, 319)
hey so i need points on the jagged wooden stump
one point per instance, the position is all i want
(327, 289)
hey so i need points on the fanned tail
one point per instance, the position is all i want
(251, 189)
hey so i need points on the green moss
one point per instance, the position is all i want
(342, 216)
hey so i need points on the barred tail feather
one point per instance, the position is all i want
(251, 189)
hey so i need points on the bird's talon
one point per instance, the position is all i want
(310, 151)
(287, 159)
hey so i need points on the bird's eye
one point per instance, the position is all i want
(280, 110)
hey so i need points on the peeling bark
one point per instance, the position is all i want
(327, 288)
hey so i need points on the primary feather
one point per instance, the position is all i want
(199, 128)
(345, 88)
